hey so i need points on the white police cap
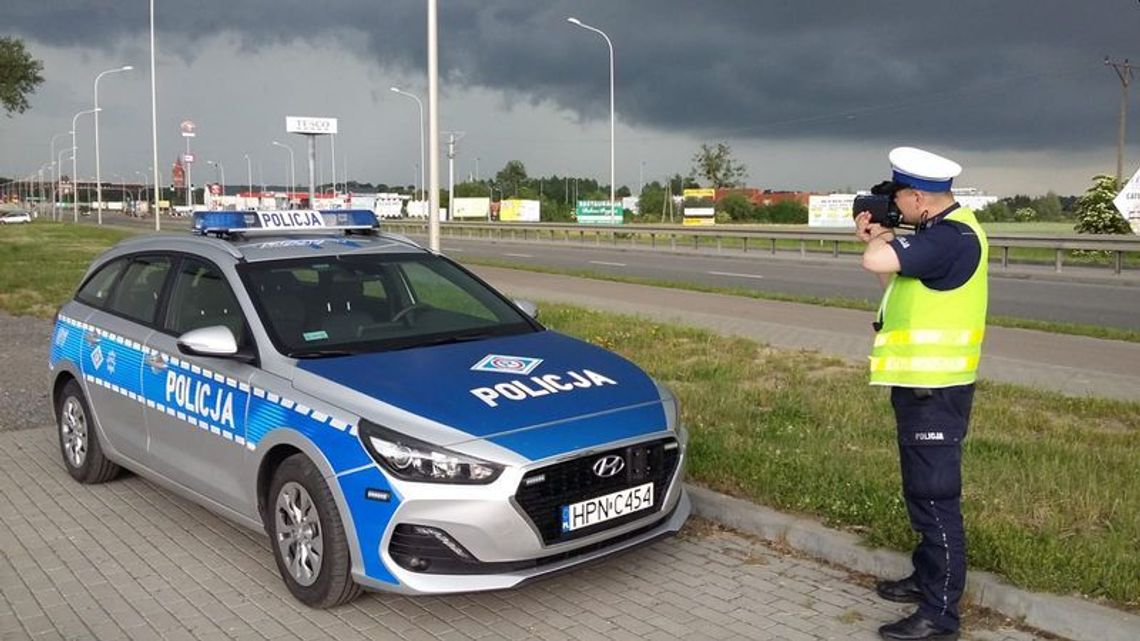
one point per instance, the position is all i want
(922, 170)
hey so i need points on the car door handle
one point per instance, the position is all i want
(155, 363)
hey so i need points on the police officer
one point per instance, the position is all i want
(929, 337)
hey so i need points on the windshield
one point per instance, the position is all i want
(339, 305)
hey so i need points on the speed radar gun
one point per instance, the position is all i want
(881, 203)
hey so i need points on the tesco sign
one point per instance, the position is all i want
(311, 126)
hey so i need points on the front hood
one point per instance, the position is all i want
(538, 394)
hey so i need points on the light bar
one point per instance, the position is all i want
(283, 221)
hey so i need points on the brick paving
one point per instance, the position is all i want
(128, 560)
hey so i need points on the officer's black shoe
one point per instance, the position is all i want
(916, 628)
(902, 591)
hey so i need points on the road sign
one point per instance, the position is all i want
(188, 128)
(188, 157)
(1128, 202)
(598, 212)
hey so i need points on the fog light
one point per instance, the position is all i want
(419, 565)
(442, 537)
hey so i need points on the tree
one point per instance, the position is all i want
(1024, 215)
(717, 166)
(1095, 212)
(738, 208)
(512, 174)
(19, 75)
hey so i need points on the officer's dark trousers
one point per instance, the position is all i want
(931, 426)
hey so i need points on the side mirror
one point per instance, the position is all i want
(216, 340)
(528, 307)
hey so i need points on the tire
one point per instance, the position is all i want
(79, 440)
(307, 536)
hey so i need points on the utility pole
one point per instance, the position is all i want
(1123, 71)
(451, 140)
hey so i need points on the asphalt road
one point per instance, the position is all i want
(1093, 297)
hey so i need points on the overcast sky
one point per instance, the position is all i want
(810, 94)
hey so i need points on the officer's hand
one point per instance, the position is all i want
(875, 230)
(863, 226)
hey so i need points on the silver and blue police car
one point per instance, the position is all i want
(391, 421)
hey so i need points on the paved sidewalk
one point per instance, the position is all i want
(126, 560)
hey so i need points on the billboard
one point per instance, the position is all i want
(832, 210)
(519, 211)
(308, 125)
(472, 208)
(699, 202)
(598, 212)
(383, 205)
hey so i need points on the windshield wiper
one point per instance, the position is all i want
(448, 340)
(321, 353)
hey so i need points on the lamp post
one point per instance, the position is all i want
(421, 106)
(146, 188)
(59, 172)
(58, 169)
(610, 44)
(249, 173)
(98, 173)
(74, 167)
(154, 119)
(292, 169)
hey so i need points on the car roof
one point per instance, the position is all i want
(264, 247)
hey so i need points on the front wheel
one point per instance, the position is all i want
(308, 538)
(78, 442)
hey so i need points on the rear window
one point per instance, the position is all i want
(97, 289)
(136, 295)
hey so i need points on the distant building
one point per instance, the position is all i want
(763, 197)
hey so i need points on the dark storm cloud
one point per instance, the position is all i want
(978, 74)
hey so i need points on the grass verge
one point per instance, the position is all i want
(1075, 329)
(1051, 495)
(41, 263)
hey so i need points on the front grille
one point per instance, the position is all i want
(574, 480)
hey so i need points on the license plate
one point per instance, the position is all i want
(604, 508)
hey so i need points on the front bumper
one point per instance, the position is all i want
(499, 546)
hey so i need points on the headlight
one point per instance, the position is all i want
(413, 460)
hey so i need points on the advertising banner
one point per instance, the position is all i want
(699, 203)
(308, 125)
(468, 208)
(519, 211)
(1128, 202)
(597, 212)
(832, 210)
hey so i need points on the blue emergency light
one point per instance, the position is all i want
(284, 221)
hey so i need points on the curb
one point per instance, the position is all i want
(1068, 617)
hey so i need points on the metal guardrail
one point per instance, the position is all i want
(750, 239)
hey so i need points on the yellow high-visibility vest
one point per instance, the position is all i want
(932, 338)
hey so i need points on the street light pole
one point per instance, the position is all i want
(421, 106)
(58, 169)
(74, 165)
(59, 174)
(610, 44)
(292, 169)
(249, 173)
(154, 120)
(98, 172)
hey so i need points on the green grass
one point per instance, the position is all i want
(1077, 329)
(41, 263)
(1051, 495)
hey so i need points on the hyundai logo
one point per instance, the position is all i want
(607, 466)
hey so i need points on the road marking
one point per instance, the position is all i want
(455, 249)
(602, 262)
(736, 275)
(519, 255)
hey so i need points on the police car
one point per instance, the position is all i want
(390, 420)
